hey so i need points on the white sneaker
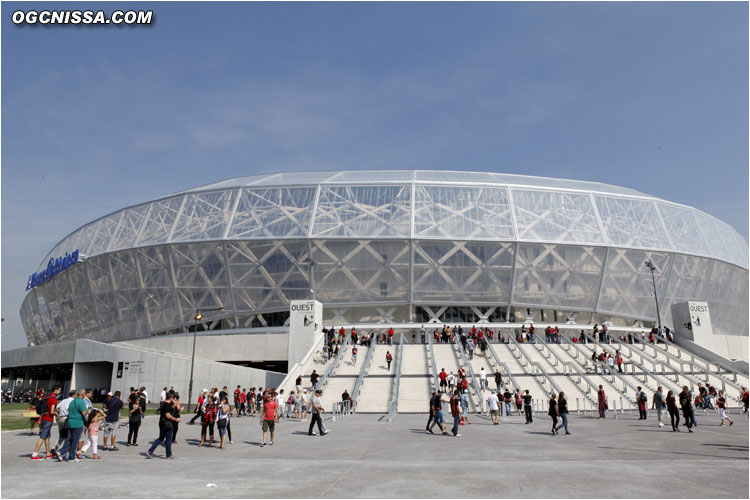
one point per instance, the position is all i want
(661, 425)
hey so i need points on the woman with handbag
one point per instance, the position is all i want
(222, 421)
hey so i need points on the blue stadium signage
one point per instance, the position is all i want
(54, 267)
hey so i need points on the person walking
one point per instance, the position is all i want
(62, 420)
(388, 359)
(508, 402)
(199, 407)
(602, 399)
(519, 401)
(686, 404)
(166, 420)
(464, 390)
(493, 403)
(135, 412)
(270, 415)
(455, 406)
(451, 381)
(527, 402)
(208, 420)
(438, 413)
(354, 355)
(314, 377)
(470, 347)
(618, 360)
(443, 379)
(674, 412)
(498, 380)
(112, 420)
(92, 430)
(431, 414)
(222, 421)
(553, 412)
(317, 408)
(47, 410)
(721, 403)
(482, 378)
(642, 399)
(76, 412)
(562, 411)
(657, 403)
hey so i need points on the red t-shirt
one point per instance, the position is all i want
(269, 410)
(243, 396)
(236, 394)
(390, 332)
(51, 401)
(443, 375)
(354, 351)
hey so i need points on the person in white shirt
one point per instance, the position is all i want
(280, 400)
(451, 380)
(483, 378)
(163, 395)
(494, 405)
(62, 414)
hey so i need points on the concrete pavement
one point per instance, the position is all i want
(366, 458)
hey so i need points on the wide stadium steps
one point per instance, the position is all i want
(346, 367)
(375, 394)
(333, 389)
(414, 394)
(415, 360)
(378, 365)
(445, 358)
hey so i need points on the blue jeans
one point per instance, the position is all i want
(464, 402)
(564, 417)
(45, 428)
(508, 408)
(163, 434)
(71, 444)
(456, 423)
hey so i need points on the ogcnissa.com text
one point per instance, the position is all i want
(82, 17)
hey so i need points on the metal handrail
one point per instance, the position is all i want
(578, 348)
(505, 368)
(460, 349)
(550, 380)
(297, 366)
(399, 356)
(706, 369)
(362, 371)
(334, 363)
(659, 380)
(719, 364)
(527, 358)
(682, 362)
(435, 382)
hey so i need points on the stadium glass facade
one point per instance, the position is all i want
(389, 246)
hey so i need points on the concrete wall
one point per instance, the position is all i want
(47, 354)
(156, 370)
(236, 347)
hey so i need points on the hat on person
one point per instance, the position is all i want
(109, 394)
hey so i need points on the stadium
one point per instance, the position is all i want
(378, 248)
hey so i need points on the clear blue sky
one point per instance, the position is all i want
(650, 96)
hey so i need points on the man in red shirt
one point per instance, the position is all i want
(243, 398)
(237, 392)
(390, 336)
(45, 424)
(443, 379)
(270, 413)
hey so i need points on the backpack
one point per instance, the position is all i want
(41, 406)
(643, 398)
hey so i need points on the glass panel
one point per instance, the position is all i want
(462, 271)
(160, 219)
(683, 229)
(363, 211)
(161, 301)
(557, 275)
(627, 288)
(555, 216)
(204, 216)
(268, 274)
(273, 212)
(632, 223)
(355, 176)
(361, 271)
(201, 277)
(462, 212)
(129, 226)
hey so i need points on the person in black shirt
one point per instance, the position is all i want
(166, 420)
(553, 412)
(527, 399)
(134, 419)
(437, 409)
(562, 410)
(432, 415)
(314, 379)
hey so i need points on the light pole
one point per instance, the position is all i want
(310, 263)
(198, 317)
(651, 266)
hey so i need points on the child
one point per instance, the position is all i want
(92, 428)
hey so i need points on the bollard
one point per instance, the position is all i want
(614, 410)
(578, 407)
(622, 407)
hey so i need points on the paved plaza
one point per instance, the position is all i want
(366, 457)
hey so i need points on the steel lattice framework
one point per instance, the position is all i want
(385, 242)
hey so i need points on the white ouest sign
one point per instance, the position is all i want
(305, 328)
(692, 319)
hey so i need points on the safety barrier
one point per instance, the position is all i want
(435, 381)
(332, 366)
(459, 348)
(393, 405)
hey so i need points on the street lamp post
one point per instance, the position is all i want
(310, 278)
(198, 317)
(651, 266)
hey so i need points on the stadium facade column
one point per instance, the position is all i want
(305, 328)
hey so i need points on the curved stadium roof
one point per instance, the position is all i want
(417, 204)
